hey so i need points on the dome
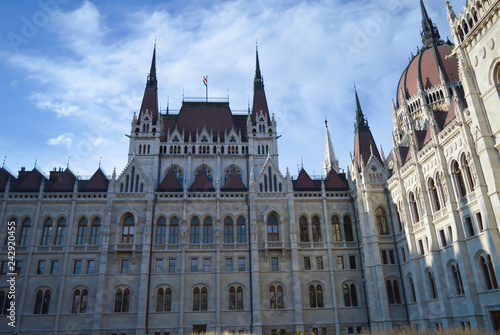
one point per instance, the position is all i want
(425, 66)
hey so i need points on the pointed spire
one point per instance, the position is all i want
(152, 71)
(331, 161)
(150, 99)
(430, 34)
(258, 83)
(259, 95)
(360, 118)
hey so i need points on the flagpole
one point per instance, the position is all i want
(206, 90)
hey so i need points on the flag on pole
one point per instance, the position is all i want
(205, 80)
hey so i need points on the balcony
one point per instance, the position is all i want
(86, 248)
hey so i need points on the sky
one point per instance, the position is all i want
(73, 72)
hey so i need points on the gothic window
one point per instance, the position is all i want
(200, 299)
(393, 292)
(178, 174)
(348, 231)
(60, 231)
(207, 171)
(46, 232)
(350, 295)
(337, 236)
(459, 179)
(164, 300)
(25, 232)
(80, 300)
(176, 139)
(174, 231)
(316, 229)
(235, 298)
(489, 277)
(304, 229)
(431, 283)
(122, 300)
(414, 207)
(434, 195)
(95, 233)
(204, 139)
(195, 230)
(207, 230)
(4, 302)
(315, 296)
(42, 302)
(128, 230)
(470, 180)
(381, 218)
(161, 227)
(230, 170)
(241, 230)
(457, 279)
(228, 230)
(411, 288)
(398, 214)
(276, 297)
(272, 228)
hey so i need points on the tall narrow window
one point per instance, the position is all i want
(432, 285)
(272, 228)
(128, 230)
(414, 208)
(25, 232)
(413, 295)
(381, 219)
(82, 232)
(349, 235)
(161, 226)
(337, 237)
(228, 230)
(126, 300)
(168, 300)
(457, 279)
(393, 292)
(95, 232)
(350, 295)
(204, 299)
(459, 179)
(195, 230)
(241, 230)
(38, 302)
(239, 298)
(316, 229)
(79, 301)
(207, 230)
(46, 232)
(46, 302)
(469, 174)
(60, 232)
(160, 300)
(488, 271)
(304, 229)
(434, 194)
(196, 299)
(312, 296)
(232, 298)
(174, 231)
(42, 302)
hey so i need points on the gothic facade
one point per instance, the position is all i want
(202, 231)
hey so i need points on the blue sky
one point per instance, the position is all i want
(73, 72)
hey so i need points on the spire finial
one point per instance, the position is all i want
(430, 33)
(3, 164)
(258, 81)
(360, 118)
(67, 162)
(100, 159)
(152, 71)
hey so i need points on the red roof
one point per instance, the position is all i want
(64, 183)
(363, 140)
(260, 104)
(150, 98)
(305, 183)
(31, 183)
(97, 183)
(202, 183)
(4, 177)
(334, 182)
(170, 183)
(420, 136)
(233, 183)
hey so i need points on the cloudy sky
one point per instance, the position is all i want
(73, 72)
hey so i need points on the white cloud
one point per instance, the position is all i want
(64, 139)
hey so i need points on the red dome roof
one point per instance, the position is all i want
(425, 66)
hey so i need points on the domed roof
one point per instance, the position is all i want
(425, 66)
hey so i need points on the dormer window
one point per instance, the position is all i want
(232, 139)
(261, 119)
(204, 139)
(176, 139)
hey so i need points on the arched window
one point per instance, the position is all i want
(200, 299)
(232, 298)
(400, 223)
(207, 171)
(80, 300)
(161, 227)
(434, 195)
(459, 179)
(196, 299)
(414, 208)
(81, 237)
(457, 279)
(316, 229)
(4, 303)
(304, 229)
(241, 230)
(337, 236)
(393, 295)
(315, 296)
(228, 230)
(470, 180)
(25, 232)
(95, 233)
(230, 170)
(235, 298)
(128, 230)
(490, 279)
(411, 287)
(195, 230)
(350, 295)
(207, 230)
(174, 231)
(46, 232)
(276, 297)
(60, 231)
(42, 302)
(381, 218)
(122, 300)
(164, 300)
(349, 236)
(432, 285)
(204, 299)
(272, 228)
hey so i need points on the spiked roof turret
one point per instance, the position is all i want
(259, 95)
(150, 98)
(430, 32)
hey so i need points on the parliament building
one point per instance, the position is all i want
(202, 231)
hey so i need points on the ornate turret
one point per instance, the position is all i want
(259, 95)
(430, 33)
(150, 100)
